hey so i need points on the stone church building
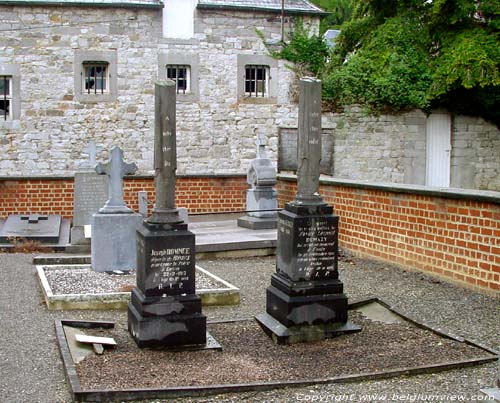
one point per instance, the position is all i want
(75, 71)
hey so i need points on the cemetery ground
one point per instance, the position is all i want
(32, 370)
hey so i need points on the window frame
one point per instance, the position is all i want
(6, 96)
(84, 58)
(182, 59)
(103, 77)
(187, 78)
(13, 72)
(244, 61)
(255, 81)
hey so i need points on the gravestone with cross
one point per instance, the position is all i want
(262, 198)
(164, 310)
(114, 226)
(116, 169)
(90, 194)
(36, 227)
(306, 301)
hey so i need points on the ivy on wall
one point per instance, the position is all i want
(403, 54)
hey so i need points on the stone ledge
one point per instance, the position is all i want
(449, 193)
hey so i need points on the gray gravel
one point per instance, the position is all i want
(84, 280)
(31, 370)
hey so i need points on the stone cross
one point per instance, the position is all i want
(116, 169)
(165, 155)
(261, 146)
(91, 150)
(309, 142)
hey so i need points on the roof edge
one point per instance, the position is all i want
(261, 9)
(79, 4)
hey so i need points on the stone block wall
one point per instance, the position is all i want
(392, 149)
(216, 131)
(453, 235)
(55, 196)
(474, 155)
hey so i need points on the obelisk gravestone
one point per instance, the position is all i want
(165, 311)
(113, 227)
(305, 301)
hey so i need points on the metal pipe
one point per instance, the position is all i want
(282, 21)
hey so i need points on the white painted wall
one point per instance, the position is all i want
(178, 18)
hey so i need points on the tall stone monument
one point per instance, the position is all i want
(165, 311)
(262, 198)
(91, 192)
(305, 301)
(113, 227)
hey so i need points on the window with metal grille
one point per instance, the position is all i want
(5, 97)
(95, 78)
(256, 81)
(181, 75)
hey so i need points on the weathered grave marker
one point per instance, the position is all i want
(113, 227)
(90, 193)
(164, 310)
(262, 196)
(305, 300)
(36, 227)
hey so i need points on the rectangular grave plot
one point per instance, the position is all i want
(38, 227)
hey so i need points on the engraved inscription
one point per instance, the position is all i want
(170, 268)
(316, 250)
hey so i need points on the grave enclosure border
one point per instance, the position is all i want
(450, 234)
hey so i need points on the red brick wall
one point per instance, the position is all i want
(55, 196)
(448, 237)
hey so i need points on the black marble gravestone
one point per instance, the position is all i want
(165, 311)
(306, 301)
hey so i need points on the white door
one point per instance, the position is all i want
(438, 150)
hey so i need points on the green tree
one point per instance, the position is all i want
(340, 11)
(402, 54)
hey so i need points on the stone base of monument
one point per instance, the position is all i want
(78, 236)
(257, 223)
(164, 311)
(113, 244)
(306, 301)
(299, 334)
(167, 322)
(493, 395)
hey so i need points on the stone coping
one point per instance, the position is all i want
(86, 3)
(448, 193)
(226, 294)
(140, 176)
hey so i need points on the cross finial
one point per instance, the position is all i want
(91, 150)
(116, 169)
(261, 146)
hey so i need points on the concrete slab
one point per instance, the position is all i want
(223, 234)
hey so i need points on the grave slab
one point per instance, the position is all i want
(316, 366)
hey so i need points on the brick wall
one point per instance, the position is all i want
(55, 196)
(446, 234)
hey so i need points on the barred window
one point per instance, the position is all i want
(5, 97)
(95, 78)
(181, 75)
(256, 81)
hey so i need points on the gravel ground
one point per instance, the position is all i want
(31, 370)
(84, 280)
